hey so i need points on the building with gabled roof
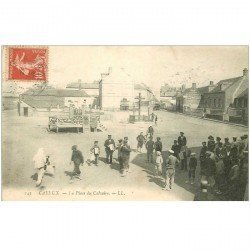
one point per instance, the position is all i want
(220, 102)
(50, 98)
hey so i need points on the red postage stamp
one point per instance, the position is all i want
(28, 63)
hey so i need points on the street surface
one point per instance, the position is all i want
(23, 136)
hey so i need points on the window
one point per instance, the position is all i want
(215, 103)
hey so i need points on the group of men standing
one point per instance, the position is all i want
(225, 166)
(123, 153)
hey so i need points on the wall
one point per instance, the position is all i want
(191, 100)
(30, 109)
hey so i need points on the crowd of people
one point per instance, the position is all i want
(223, 165)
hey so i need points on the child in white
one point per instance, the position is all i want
(158, 163)
(42, 165)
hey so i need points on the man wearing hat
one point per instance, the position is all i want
(125, 155)
(182, 140)
(150, 131)
(119, 155)
(150, 146)
(109, 149)
(211, 144)
(218, 141)
(203, 154)
(77, 159)
(234, 148)
(171, 163)
(226, 142)
(158, 145)
(176, 148)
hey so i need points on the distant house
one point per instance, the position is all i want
(168, 97)
(46, 99)
(92, 89)
(191, 100)
(222, 102)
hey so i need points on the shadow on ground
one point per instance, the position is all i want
(180, 175)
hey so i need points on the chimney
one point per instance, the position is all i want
(245, 72)
(193, 85)
(211, 86)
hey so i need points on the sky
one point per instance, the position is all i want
(152, 65)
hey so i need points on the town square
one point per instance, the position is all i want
(117, 138)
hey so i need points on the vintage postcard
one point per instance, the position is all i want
(125, 123)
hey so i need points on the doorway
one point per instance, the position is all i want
(25, 111)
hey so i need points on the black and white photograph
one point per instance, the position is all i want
(125, 123)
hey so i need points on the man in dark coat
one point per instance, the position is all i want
(209, 169)
(227, 159)
(150, 146)
(158, 144)
(176, 148)
(211, 144)
(226, 143)
(218, 142)
(182, 140)
(150, 131)
(78, 160)
(109, 149)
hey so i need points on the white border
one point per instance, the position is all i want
(124, 225)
